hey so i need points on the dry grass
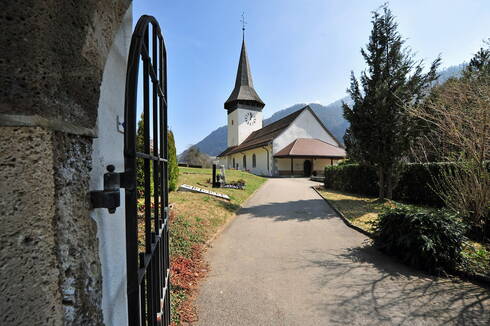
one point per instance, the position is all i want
(359, 210)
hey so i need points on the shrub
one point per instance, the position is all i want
(351, 178)
(415, 185)
(431, 240)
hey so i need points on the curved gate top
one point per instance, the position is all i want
(146, 178)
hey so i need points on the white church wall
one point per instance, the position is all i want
(263, 166)
(238, 128)
(305, 126)
(246, 129)
(232, 128)
(108, 149)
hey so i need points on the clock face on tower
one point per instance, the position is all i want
(250, 118)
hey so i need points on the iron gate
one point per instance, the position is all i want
(148, 266)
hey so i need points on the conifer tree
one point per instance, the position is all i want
(173, 167)
(480, 63)
(140, 147)
(380, 129)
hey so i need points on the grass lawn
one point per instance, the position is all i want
(196, 218)
(362, 211)
(359, 210)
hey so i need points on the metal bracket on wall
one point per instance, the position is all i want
(110, 197)
(120, 125)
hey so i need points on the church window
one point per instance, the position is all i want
(234, 165)
(254, 161)
(244, 161)
(232, 122)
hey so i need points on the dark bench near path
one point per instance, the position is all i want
(288, 259)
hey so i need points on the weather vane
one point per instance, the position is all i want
(244, 22)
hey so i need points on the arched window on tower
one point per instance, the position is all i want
(244, 162)
(254, 161)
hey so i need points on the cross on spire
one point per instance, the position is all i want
(244, 22)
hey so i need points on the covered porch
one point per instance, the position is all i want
(306, 157)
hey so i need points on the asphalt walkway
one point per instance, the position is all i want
(287, 259)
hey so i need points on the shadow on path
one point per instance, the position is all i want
(393, 294)
(299, 210)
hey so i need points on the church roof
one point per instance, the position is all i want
(304, 147)
(265, 135)
(244, 89)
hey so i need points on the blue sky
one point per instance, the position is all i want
(300, 51)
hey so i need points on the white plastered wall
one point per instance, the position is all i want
(108, 149)
(232, 129)
(305, 126)
(238, 129)
(263, 166)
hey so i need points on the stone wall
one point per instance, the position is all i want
(53, 56)
(29, 273)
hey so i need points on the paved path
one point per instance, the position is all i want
(287, 259)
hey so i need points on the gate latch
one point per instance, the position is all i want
(110, 197)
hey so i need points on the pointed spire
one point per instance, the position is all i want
(244, 75)
(244, 91)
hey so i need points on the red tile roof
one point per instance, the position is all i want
(311, 147)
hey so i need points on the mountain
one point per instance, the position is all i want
(331, 115)
(453, 71)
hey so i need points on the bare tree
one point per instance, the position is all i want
(457, 121)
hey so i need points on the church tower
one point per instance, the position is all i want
(244, 105)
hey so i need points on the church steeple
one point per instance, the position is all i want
(244, 93)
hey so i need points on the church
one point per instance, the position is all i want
(296, 145)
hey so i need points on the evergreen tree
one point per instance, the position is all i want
(140, 147)
(480, 63)
(380, 129)
(173, 167)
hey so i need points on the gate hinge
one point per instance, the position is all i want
(110, 197)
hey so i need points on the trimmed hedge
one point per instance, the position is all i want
(414, 186)
(353, 178)
(428, 239)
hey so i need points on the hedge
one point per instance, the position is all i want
(428, 239)
(353, 178)
(415, 184)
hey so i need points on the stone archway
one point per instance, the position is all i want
(49, 99)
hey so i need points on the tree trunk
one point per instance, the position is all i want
(381, 183)
(389, 182)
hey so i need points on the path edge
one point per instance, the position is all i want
(342, 216)
(227, 224)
